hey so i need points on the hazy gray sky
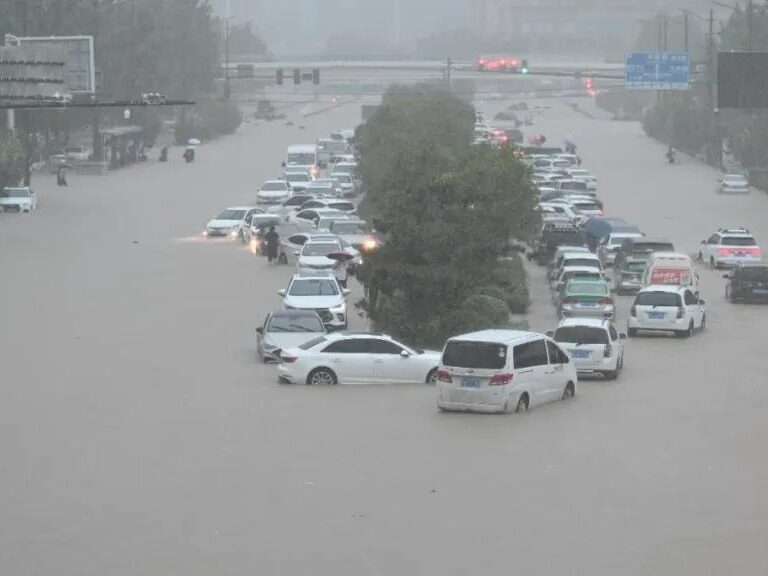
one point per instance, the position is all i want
(304, 26)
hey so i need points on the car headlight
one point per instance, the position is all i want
(339, 309)
(205, 232)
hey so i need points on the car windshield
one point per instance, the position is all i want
(735, 179)
(738, 241)
(348, 228)
(15, 193)
(753, 274)
(590, 262)
(295, 324)
(231, 215)
(297, 177)
(301, 159)
(581, 275)
(635, 266)
(343, 206)
(581, 335)
(640, 247)
(588, 288)
(296, 201)
(320, 249)
(657, 299)
(483, 355)
(271, 186)
(314, 287)
(344, 178)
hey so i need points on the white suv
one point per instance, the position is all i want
(594, 345)
(667, 309)
(321, 293)
(728, 247)
(502, 370)
(18, 199)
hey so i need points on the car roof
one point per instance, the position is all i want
(669, 256)
(592, 322)
(293, 313)
(734, 232)
(302, 148)
(351, 335)
(650, 240)
(671, 288)
(579, 254)
(589, 269)
(504, 336)
(313, 275)
(242, 208)
(316, 240)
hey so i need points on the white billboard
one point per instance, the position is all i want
(79, 67)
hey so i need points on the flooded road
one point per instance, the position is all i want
(139, 435)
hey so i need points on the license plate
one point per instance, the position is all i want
(656, 315)
(588, 304)
(760, 291)
(579, 353)
(470, 382)
(739, 254)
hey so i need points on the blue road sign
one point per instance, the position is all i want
(657, 70)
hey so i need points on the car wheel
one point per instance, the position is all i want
(611, 374)
(569, 391)
(321, 377)
(432, 376)
(522, 404)
(631, 332)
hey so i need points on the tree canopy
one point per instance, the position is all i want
(447, 210)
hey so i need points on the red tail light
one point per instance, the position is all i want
(723, 251)
(444, 376)
(606, 301)
(608, 351)
(500, 379)
(680, 312)
(288, 359)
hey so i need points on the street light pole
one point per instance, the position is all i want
(226, 61)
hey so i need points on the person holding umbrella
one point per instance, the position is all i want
(272, 239)
(340, 270)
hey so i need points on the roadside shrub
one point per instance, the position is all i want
(207, 120)
(478, 312)
(11, 160)
(509, 275)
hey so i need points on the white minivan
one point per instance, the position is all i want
(503, 370)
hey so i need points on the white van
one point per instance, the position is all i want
(302, 156)
(670, 269)
(502, 370)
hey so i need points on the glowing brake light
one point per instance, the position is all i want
(500, 379)
(444, 376)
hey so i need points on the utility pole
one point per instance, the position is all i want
(96, 133)
(711, 61)
(685, 33)
(226, 61)
(666, 26)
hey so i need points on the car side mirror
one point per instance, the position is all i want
(281, 292)
(551, 333)
(260, 330)
(346, 291)
(404, 354)
(622, 336)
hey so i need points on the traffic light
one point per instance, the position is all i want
(280, 76)
(524, 67)
(296, 76)
(316, 76)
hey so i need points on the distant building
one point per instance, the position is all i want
(568, 25)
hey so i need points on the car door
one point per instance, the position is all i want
(391, 366)
(531, 369)
(557, 376)
(694, 307)
(350, 360)
(709, 247)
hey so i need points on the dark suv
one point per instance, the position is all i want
(747, 282)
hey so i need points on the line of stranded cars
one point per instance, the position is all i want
(589, 258)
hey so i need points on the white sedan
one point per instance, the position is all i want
(734, 184)
(594, 345)
(273, 192)
(358, 358)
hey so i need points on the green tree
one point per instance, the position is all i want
(12, 160)
(447, 210)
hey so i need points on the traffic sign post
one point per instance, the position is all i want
(657, 71)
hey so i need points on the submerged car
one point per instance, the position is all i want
(591, 298)
(230, 222)
(734, 184)
(286, 329)
(747, 282)
(18, 199)
(594, 345)
(628, 278)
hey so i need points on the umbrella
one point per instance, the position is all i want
(340, 256)
(194, 142)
